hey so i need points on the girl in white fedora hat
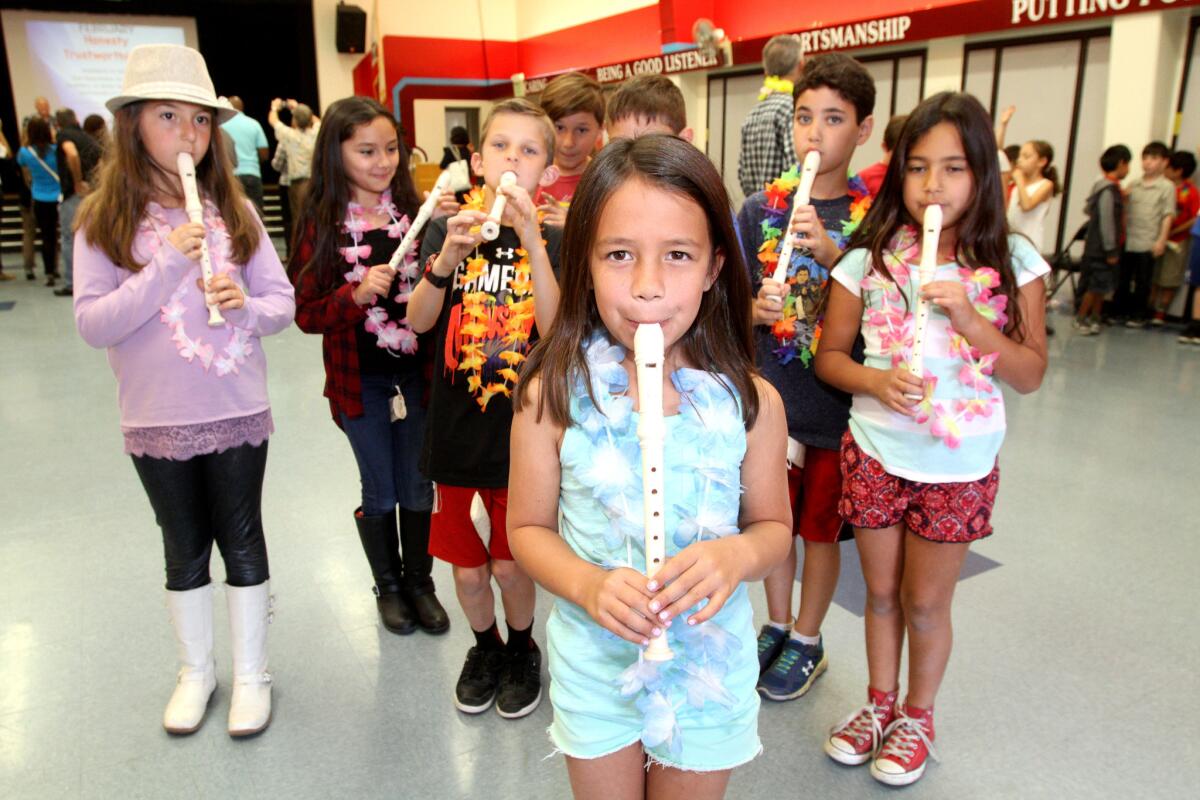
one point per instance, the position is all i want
(191, 375)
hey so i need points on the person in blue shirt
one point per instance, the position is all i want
(40, 166)
(250, 143)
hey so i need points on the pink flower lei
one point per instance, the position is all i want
(894, 322)
(394, 337)
(195, 349)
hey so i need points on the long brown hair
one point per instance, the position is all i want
(328, 192)
(720, 339)
(982, 229)
(110, 215)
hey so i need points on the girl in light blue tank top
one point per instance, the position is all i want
(649, 240)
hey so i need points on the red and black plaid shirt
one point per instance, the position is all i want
(335, 316)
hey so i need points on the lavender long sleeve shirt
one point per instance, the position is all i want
(121, 311)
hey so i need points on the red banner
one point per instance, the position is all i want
(967, 17)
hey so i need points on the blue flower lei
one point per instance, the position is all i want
(711, 417)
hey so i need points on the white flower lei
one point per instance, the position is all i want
(238, 348)
(390, 335)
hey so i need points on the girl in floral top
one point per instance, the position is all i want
(649, 240)
(193, 398)
(919, 460)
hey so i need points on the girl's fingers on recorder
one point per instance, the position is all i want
(187, 239)
(706, 586)
(628, 615)
(716, 601)
(230, 299)
(613, 625)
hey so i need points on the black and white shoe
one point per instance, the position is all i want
(520, 683)
(478, 680)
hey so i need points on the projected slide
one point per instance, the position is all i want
(78, 61)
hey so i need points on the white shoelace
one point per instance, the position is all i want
(856, 724)
(901, 738)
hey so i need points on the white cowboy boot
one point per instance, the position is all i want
(249, 613)
(192, 618)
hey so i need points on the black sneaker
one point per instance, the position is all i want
(794, 672)
(520, 684)
(770, 643)
(476, 687)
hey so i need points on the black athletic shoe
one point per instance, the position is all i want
(477, 683)
(520, 684)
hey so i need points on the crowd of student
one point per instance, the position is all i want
(56, 164)
(857, 396)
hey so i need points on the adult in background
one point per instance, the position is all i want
(40, 165)
(250, 143)
(78, 155)
(767, 148)
(279, 164)
(298, 142)
(459, 148)
(41, 108)
(6, 153)
(95, 127)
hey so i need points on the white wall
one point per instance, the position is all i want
(943, 65)
(694, 86)
(1147, 56)
(429, 122)
(490, 19)
(535, 17)
(494, 19)
(335, 71)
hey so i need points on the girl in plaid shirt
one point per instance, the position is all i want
(359, 205)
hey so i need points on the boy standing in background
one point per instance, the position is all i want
(575, 106)
(1151, 206)
(834, 101)
(1170, 271)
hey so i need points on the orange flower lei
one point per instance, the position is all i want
(478, 309)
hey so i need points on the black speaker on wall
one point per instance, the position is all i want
(351, 29)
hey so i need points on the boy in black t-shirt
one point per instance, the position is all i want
(833, 102)
(484, 299)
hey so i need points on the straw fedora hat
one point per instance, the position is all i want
(168, 72)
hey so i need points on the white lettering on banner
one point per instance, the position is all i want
(1038, 10)
(860, 34)
(657, 65)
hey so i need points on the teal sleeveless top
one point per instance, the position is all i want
(698, 711)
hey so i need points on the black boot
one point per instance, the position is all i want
(418, 566)
(381, 544)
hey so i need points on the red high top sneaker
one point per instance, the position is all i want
(857, 738)
(907, 745)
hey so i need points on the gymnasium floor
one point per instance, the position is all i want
(1073, 673)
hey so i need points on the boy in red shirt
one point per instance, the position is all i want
(575, 105)
(1170, 268)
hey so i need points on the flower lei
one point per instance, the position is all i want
(391, 336)
(711, 424)
(238, 348)
(894, 322)
(479, 308)
(799, 332)
(772, 84)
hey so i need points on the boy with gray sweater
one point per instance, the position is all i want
(1105, 238)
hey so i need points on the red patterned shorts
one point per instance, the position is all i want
(939, 512)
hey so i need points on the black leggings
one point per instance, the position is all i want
(211, 497)
(46, 215)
